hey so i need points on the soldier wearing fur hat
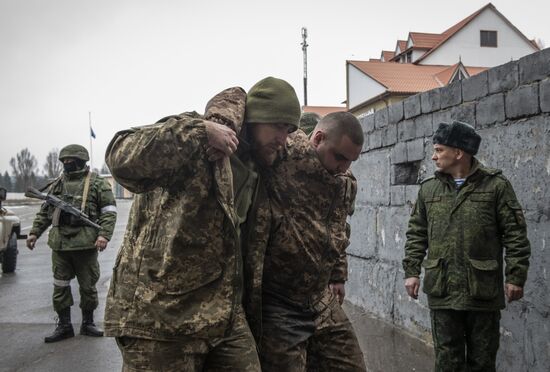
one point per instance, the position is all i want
(467, 230)
(75, 245)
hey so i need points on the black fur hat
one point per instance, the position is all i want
(458, 134)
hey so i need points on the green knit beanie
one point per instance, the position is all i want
(273, 100)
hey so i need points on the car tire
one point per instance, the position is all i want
(9, 260)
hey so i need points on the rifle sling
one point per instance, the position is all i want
(85, 192)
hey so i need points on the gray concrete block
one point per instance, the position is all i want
(522, 101)
(411, 106)
(399, 153)
(415, 150)
(381, 118)
(406, 130)
(372, 171)
(389, 135)
(363, 238)
(444, 116)
(451, 95)
(475, 87)
(395, 112)
(424, 125)
(544, 95)
(369, 285)
(411, 193)
(397, 195)
(503, 78)
(520, 150)
(367, 123)
(430, 101)
(391, 228)
(465, 112)
(534, 67)
(490, 110)
(375, 139)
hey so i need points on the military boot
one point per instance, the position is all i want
(64, 328)
(88, 328)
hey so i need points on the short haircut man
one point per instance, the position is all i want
(311, 192)
(464, 218)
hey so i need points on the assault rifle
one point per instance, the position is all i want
(58, 203)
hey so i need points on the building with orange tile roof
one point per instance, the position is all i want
(429, 60)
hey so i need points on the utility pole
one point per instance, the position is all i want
(304, 49)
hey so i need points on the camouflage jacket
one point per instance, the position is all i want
(67, 233)
(179, 270)
(307, 247)
(464, 234)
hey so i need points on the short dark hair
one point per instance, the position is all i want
(336, 124)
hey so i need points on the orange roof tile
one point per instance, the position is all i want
(407, 77)
(387, 55)
(424, 39)
(323, 110)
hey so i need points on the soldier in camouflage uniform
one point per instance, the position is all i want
(464, 216)
(176, 297)
(311, 192)
(74, 245)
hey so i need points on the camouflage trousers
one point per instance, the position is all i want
(465, 340)
(317, 339)
(65, 266)
(235, 352)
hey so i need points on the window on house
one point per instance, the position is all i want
(409, 57)
(488, 38)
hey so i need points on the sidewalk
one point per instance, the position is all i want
(387, 348)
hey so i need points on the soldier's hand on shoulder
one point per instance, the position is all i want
(513, 292)
(31, 241)
(221, 138)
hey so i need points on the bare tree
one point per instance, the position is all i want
(24, 167)
(53, 167)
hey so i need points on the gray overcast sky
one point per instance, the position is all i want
(131, 62)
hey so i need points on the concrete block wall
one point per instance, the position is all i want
(510, 107)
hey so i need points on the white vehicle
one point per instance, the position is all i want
(10, 231)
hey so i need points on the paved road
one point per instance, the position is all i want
(26, 316)
(26, 313)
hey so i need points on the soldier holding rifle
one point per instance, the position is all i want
(74, 203)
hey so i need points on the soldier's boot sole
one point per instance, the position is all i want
(90, 330)
(60, 334)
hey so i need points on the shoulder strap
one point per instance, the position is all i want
(86, 189)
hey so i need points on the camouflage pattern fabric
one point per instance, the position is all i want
(307, 246)
(465, 340)
(100, 208)
(301, 319)
(319, 338)
(464, 234)
(67, 265)
(230, 353)
(179, 271)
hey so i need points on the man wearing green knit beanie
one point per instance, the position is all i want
(272, 112)
(299, 323)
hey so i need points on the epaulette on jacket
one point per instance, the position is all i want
(426, 179)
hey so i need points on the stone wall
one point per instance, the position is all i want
(510, 107)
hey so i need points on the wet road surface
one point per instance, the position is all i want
(26, 317)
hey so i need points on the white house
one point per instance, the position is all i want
(428, 60)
